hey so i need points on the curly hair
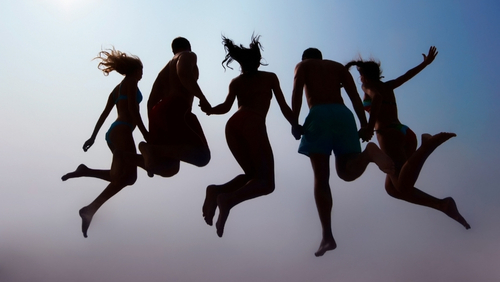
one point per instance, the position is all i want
(248, 58)
(115, 60)
(369, 69)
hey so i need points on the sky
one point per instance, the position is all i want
(52, 94)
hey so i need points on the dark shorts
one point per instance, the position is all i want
(330, 127)
(172, 123)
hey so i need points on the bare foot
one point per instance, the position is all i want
(223, 205)
(86, 219)
(210, 204)
(79, 172)
(451, 210)
(425, 137)
(384, 162)
(326, 245)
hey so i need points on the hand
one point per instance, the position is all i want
(365, 134)
(431, 56)
(297, 131)
(88, 144)
(205, 107)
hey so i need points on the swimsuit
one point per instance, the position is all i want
(116, 123)
(330, 127)
(367, 104)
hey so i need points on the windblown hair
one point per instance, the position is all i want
(369, 69)
(248, 58)
(114, 60)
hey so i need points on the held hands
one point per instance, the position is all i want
(88, 144)
(205, 107)
(431, 56)
(297, 131)
(365, 134)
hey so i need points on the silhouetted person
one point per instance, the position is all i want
(176, 134)
(330, 126)
(397, 140)
(246, 133)
(126, 97)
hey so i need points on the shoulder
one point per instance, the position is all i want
(187, 56)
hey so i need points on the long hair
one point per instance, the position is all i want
(369, 69)
(248, 58)
(114, 60)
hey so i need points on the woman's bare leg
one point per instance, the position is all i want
(407, 176)
(213, 191)
(83, 171)
(350, 167)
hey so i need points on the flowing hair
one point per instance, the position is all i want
(115, 60)
(248, 58)
(369, 69)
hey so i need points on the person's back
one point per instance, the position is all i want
(254, 90)
(323, 80)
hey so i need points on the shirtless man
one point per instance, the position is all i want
(175, 133)
(330, 126)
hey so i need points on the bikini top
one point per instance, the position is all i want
(367, 104)
(121, 97)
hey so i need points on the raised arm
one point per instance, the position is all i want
(414, 71)
(105, 113)
(187, 71)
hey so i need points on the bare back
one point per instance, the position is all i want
(254, 91)
(322, 80)
(168, 84)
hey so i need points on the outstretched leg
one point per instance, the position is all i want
(323, 197)
(213, 191)
(83, 171)
(87, 212)
(412, 167)
(350, 167)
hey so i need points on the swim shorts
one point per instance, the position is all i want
(330, 127)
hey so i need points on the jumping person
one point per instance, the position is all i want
(246, 132)
(126, 97)
(397, 140)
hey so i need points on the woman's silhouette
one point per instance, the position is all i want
(397, 140)
(246, 133)
(126, 97)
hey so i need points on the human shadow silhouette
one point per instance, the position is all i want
(246, 132)
(175, 132)
(398, 141)
(330, 126)
(126, 97)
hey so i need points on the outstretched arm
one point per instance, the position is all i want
(224, 107)
(352, 92)
(414, 71)
(187, 70)
(285, 109)
(105, 113)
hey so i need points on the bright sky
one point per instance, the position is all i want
(52, 95)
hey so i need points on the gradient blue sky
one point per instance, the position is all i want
(52, 95)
